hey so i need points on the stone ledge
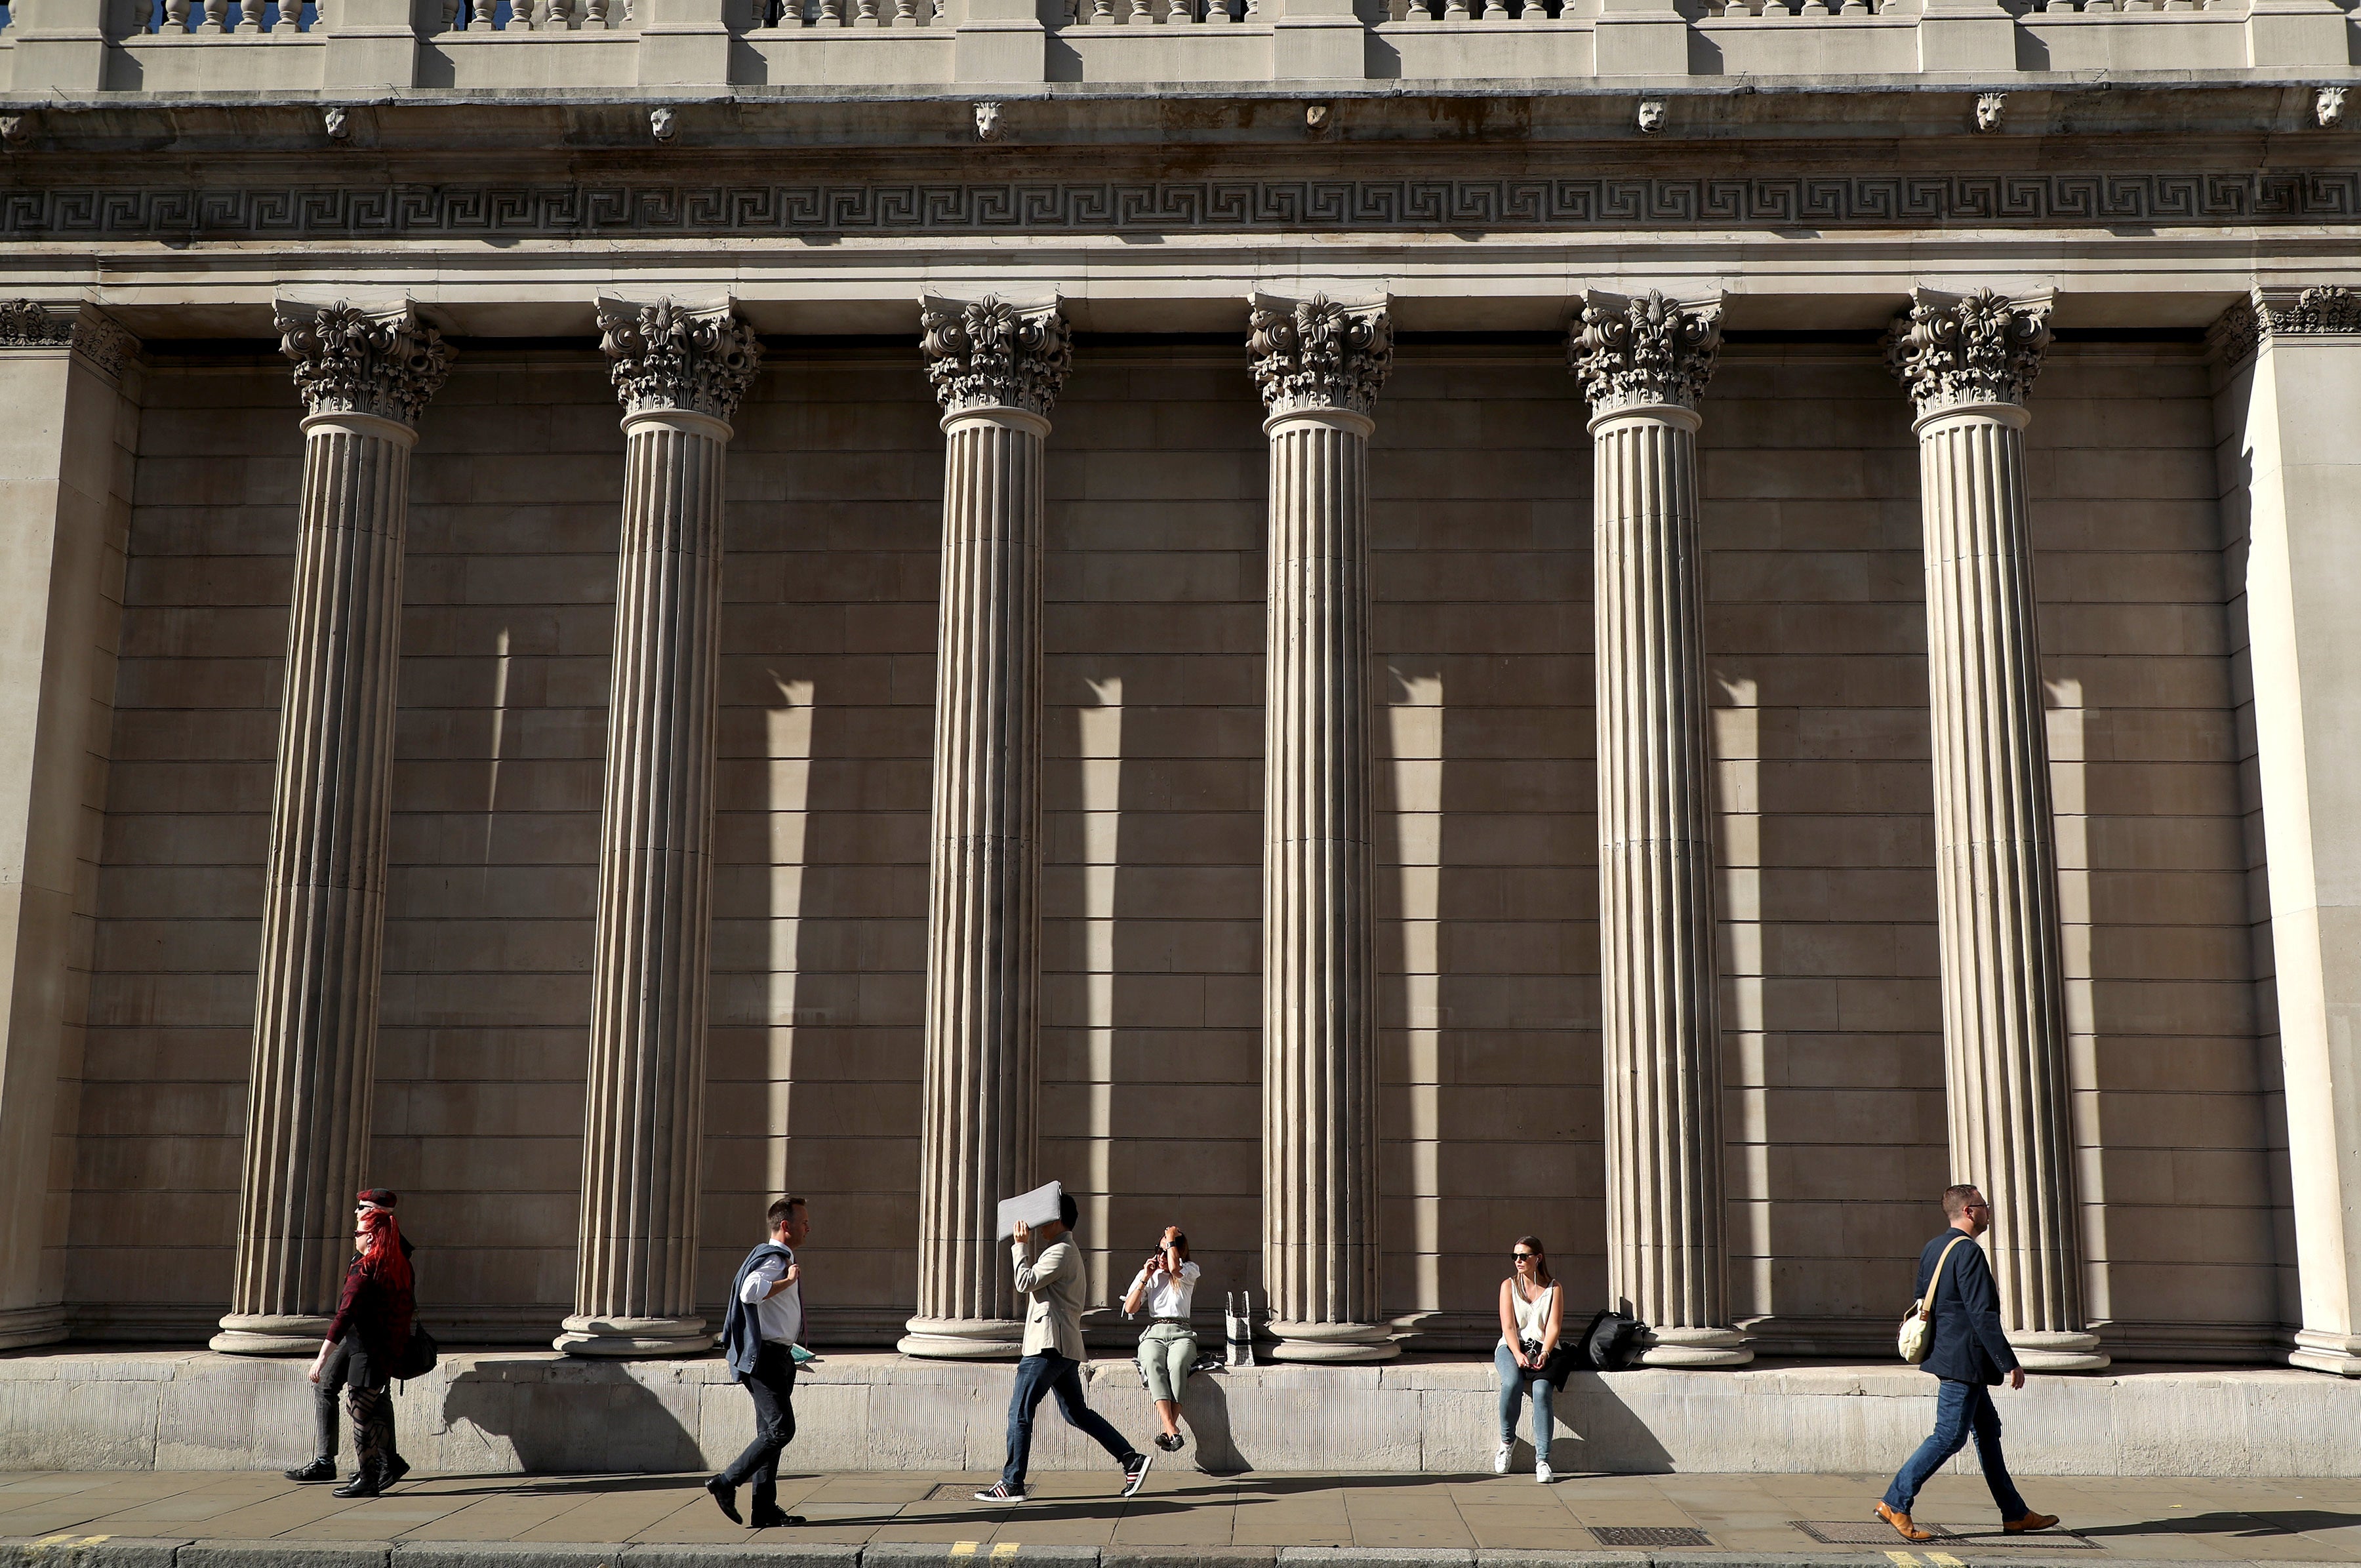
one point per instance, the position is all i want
(526, 1413)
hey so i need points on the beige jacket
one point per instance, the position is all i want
(1057, 1282)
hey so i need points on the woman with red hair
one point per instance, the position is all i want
(372, 1328)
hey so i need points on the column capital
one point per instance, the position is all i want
(353, 360)
(1643, 350)
(1319, 353)
(1953, 350)
(29, 323)
(670, 358)
(2322, 311)
(994, 354)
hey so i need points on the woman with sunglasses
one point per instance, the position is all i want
(1532, 1318)
(1168, 1346)
(370, 1330)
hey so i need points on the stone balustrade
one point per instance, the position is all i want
(67, 49)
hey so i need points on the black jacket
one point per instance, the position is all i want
(1969, 1344)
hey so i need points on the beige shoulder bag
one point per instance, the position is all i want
(1918, 1335)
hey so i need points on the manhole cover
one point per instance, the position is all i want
(1649, 1535)
(1876, 1532)
(957, 1492)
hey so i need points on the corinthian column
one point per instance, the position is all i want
(1967, 363)
(363, 376)
(1320, 365)
(1642, 363)
(679, 374)
(996, 369)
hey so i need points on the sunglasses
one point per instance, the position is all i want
(1524, 1256)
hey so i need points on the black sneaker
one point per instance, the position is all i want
(1135, 1471)
(724, 1498)
(318, 1470)
(1000, 1493)
(1170, 1442)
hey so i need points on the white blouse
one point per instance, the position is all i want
(1168, 1296)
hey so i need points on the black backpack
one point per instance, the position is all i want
(418, 1357)
(1613, 1341)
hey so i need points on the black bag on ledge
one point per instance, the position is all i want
(1613, 1341)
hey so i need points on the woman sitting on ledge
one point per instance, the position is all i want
(1168, 1347)
(1533, 1316)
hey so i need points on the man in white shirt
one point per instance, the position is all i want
(760, 1330)
(1052, 1361)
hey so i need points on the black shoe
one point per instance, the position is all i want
(397, 1470)
(365, 1484)
(724, 1498)
(1170, 1442)
(1135, 1471)
(772, 1518)
(320, 1469)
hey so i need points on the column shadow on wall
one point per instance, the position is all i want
(582, 1416)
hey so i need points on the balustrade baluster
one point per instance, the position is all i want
(215, 12)
(249, 17)
(560, 17)
(1455, 10)
(176, 15)
(290, 20)
(480, 15)
(520, 17)
(905, 13)
(864, 13)
(593, 15)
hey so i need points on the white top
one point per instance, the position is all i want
(1533, 1317)
(780, 1317)
(1168, 1296)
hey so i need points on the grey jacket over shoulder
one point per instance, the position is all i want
(1056, 1281)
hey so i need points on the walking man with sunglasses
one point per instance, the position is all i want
(1970, 1354)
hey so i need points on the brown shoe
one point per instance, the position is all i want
(1901, 1522)
(2029, 1524)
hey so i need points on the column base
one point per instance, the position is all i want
(1333, 1342)
(634, 1337)
(963, 1339)
(2057, 1351)
(22, 1326)
(1695, 1348)
(265, 1333)
(2318, 1351)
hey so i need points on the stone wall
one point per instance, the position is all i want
(1487, 940)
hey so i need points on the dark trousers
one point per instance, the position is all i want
(772, 1384)
(1960, 1408)
(1044, 1373)
(347, 1365)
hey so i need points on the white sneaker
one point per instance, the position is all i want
(1544, 1474)
(1501, 1460)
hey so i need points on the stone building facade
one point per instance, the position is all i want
(1364, 627)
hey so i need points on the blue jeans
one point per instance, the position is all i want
(1959, 1407)
(1044, 1373)
(1514, 1381)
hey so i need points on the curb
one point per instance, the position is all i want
(107, 1551)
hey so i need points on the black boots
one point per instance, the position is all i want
(320, 1469)
(724, 1498)
(367, 1484)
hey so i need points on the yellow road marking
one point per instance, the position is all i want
(95, 1540)
(1003, 1549)
(1946, 1558)
(53, 1540)
(963, 1549)
(1903, 1559)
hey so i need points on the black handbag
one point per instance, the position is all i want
(1613, 1341)
(418, 1357)
(1563, 1362)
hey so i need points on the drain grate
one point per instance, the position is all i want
(1649, 1535)
(1875, 1532)
(956, 1492)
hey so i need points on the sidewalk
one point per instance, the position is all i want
(1180, 1517)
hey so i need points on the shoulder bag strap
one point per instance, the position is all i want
(1933, 1280)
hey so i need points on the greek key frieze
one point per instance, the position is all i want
(890, 205)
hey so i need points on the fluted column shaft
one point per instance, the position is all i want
(997, 368)
(1996, 864)
(310, 1080)
(1659, 1005)
(1321, 366)
(644, 1124)
(1644, 361)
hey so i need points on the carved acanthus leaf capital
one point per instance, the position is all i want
(990, 354)
(671, 357)
(2322, 309)
(1319, 353)
(351, 360)
(1644, 350)
(29, 324)
(1982, 347)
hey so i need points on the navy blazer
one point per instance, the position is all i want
(1969, 1344)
